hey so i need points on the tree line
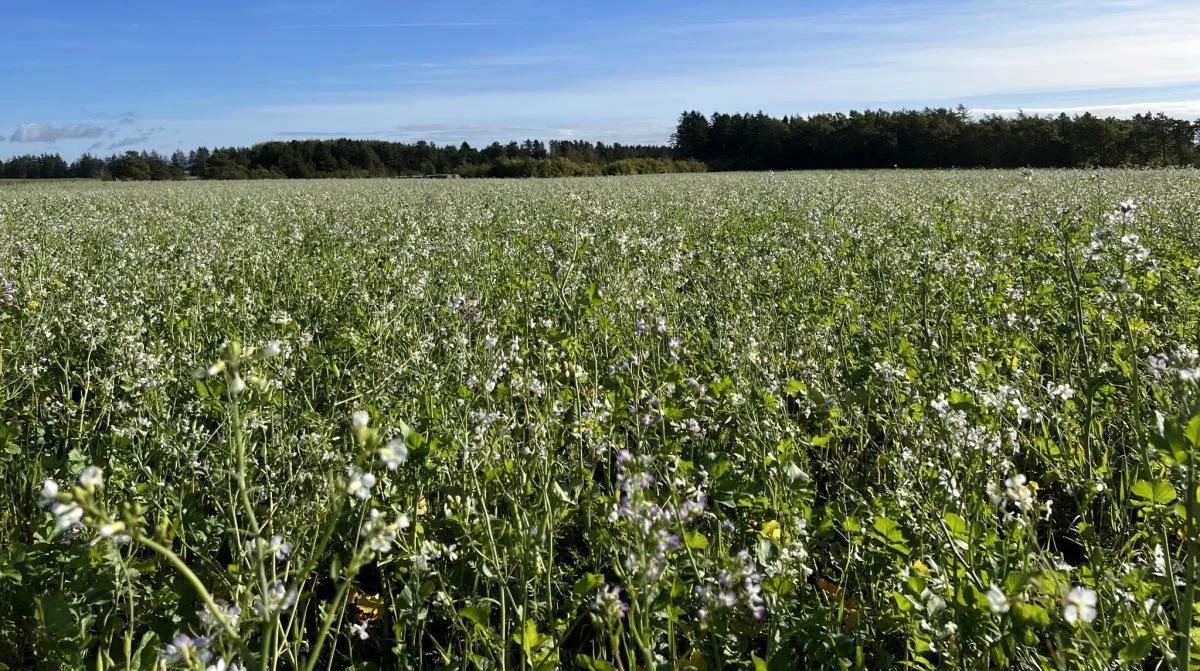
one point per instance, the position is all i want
(933, 138)
(929, 138)
(304, 159)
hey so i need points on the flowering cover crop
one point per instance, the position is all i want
(866, 420)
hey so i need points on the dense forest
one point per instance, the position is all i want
(929, 138)
(933, 138)
(300, 159)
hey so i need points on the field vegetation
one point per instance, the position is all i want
(773, 421)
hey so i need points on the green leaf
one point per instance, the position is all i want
(695, 540)
(1160, 492)
(1143, 490)
(960, 399)
(480, 615)
(759, 663)
(1137, 649)
(590, 582)
(1193, 431)
(529, 638)
(55, 616)
(1031, 614)
(591, 664)
(956, 525)
(794, 387)
(888, 529)
(1164, 493)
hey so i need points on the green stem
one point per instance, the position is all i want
(201, 590)
(335, 608)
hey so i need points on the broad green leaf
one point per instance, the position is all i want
(590, 582)
(480, 615)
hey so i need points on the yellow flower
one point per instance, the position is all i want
(771, 530)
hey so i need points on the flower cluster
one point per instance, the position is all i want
(738, 585)
(380, 533)
(607, 607)
(8, 290)
(1179, 365)
(651, 523)
(1016, 492)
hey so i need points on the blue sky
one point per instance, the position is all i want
(105, 77)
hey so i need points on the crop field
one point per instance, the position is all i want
(773, 421)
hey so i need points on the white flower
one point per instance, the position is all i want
(272, 349)
(91, 478)
(997, 600)
(394, 453)
(1079, 604)
(359, 630)
(222, 665)
(49, 494)
(279, 547)
(66, 515)
(279, 598)
(934, 604)
(1061, 392)
(795, 473)
(231, 614)
(359, 483)
(379, 533)
(361, 419)
(1016, 491)
(184, 648)
(1160, 560)
(236, 385)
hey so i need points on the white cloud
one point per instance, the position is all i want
(130, 141)
(1179, 109)
(36, 132)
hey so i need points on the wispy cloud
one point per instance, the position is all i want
(36, 132)
(404, 24)
(294, 8)
(130, 141)
(1179, 109)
